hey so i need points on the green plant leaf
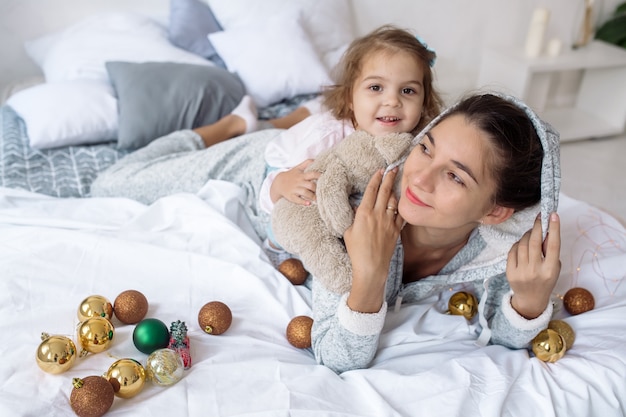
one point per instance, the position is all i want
(613, 30)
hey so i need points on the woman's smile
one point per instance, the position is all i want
(414, 199)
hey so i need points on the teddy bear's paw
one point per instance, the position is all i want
(339, 222)
(339, 280)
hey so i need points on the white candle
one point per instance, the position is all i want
(554, 47)
(536, 32)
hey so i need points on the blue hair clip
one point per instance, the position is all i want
(431, 63)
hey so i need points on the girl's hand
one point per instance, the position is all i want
(371, 241)
(533, 268)
(295, 185)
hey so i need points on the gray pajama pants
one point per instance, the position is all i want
(179, 162)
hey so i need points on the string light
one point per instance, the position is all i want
(599, 238)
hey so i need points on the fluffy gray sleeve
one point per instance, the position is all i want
(343, 339)
(507, 327)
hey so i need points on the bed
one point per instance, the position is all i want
(59, 246)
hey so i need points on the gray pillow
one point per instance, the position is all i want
(190, 23)
(157, 98)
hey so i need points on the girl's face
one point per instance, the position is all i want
(388, 95)
(445, 180)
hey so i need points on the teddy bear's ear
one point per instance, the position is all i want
(393, 145)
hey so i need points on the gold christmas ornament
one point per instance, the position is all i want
(55, 354)
(127, 377)
(215, 317)
(95, 335)
(91, 396)
(548, 345)
(164, 367)
(578, 300)
(299, 331)
(95, 306)
(130, 307)
(565, 330)
(294, 271)
(463, 304)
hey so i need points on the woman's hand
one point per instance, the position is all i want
(533, 268)
(371, 241)
(295, 185)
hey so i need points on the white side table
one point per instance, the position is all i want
(600, 103)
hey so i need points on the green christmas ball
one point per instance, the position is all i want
(150, 335)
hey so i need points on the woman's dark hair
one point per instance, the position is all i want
(389, 39)
(518, 150)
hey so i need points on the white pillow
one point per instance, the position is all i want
(67, 113)
(80, 51)
(328, 22)
(274, 58)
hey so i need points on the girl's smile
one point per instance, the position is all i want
(389, 121)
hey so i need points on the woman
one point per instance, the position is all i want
(469, 192)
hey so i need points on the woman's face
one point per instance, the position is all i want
(445, 181)
(388, 95)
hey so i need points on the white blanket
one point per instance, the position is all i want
(186, 250)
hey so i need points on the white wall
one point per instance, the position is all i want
(457, 29)
(460, 29)
(21, 20)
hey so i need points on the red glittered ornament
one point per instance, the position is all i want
(293, 270)
(130, 307)
(299, 331)
(578, 300)
(91, 396)
(215, 317)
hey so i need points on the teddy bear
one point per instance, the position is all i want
(314, 233)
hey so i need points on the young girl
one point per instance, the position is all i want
(384, 84)
(470, 190)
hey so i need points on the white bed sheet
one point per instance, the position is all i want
(186, 250)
